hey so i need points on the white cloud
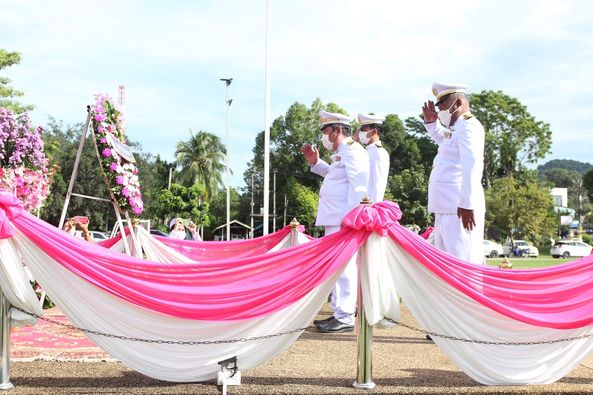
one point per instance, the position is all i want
(379, 56)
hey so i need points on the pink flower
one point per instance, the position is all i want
(100, 129)
(120, 180)
(100, 117)
(103, 140)
(106, 152)
(113, 166)
(137, 210)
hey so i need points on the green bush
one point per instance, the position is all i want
(587, 239)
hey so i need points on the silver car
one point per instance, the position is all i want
(492, 249)
(568, 248)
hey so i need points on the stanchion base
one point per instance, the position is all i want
(6, 386)
(364, 386)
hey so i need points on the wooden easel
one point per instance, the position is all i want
(118, 211)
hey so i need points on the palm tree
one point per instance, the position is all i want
(202, 160)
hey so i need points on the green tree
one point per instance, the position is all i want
(300, 124)
(409, 188)
(562, 178)
(7, 93)
(588, 184)
(184, 202)
(514, 138)
(202, 160)
(520, 208)
(302, 203)
(567, 164)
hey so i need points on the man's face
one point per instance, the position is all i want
(330, 131)
(367, 129)
(446, 104)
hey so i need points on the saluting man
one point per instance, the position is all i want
(344, 186)
(455, 193)
(369, 134)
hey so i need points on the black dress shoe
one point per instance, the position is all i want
(335, 326)
(317, 322)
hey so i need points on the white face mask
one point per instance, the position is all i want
(445, 115)
(326, 143)
(364, 137)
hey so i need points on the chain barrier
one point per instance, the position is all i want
(160, 341)
(290, 332)
(489, 342)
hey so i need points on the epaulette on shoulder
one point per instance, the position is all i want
(378, 144)
(467, 116)
(350, 142)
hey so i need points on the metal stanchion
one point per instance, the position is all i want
(294, 232)
(5, 383)
(364, 368)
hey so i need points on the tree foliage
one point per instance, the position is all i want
(184, 202)
(514, 138)
(588, 184)
(8, 93)
(520, 209)
(409, 188)
(202, 160)
(567, 164)
(302, 203)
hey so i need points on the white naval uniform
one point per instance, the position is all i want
(379, 171)
(344, 186)
(456, 181)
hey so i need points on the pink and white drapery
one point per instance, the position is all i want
(280, 291)
(169, 250)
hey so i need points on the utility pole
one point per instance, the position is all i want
(267, 123)
(252, 203)
(274, 212)
(285, 208)
(228, 102)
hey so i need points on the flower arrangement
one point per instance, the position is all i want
(23, 164)
(116, 159)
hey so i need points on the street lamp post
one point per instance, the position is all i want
(228, 102)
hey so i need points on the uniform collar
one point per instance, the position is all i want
(377, 144)
(465, 116)
(344, 144)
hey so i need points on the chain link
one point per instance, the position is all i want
(160, 341)
(489, 342)
(290, 332)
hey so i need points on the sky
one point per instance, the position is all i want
(367, 56)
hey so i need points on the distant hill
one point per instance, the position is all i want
(567, 164)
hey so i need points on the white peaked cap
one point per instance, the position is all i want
(367, 119)
(327, 118)
(442, 90)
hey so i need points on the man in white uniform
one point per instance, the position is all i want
(371, 127)
(344, 186)
(455, 193)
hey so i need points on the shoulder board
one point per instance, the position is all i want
(467, 116)
(351, 142)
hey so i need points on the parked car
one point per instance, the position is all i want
(492, 249)
(98, 236)
(520, 248)
(157, 232)
(568, 248)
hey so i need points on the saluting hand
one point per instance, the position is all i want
(429, 112)
(311, 153)
(467, 218)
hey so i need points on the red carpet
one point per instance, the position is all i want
(49, 341)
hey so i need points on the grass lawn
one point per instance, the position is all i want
(529, 263)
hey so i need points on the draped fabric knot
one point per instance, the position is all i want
(377, 217)
(10, 208)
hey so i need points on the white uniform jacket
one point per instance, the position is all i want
(344, 182)
(379, 171)
(456, 176)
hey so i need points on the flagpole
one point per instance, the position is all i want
(267, 124)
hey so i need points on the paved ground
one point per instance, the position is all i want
(403, 362)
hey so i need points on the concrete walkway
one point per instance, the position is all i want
(403, 362)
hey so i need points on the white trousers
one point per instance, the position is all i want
(451, 237)
(344, 294)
